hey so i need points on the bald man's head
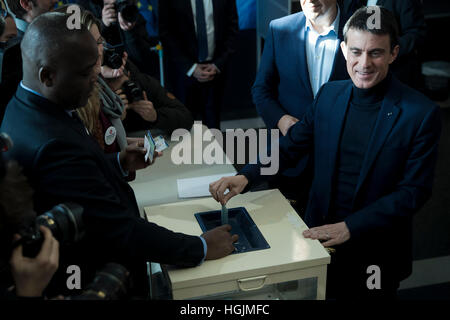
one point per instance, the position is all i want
(59, 63)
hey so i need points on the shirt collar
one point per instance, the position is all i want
(30, 90)
(334, 26)
(69, 112)
(21, 25)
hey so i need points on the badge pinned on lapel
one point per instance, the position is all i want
(110, 135)
(389, 114)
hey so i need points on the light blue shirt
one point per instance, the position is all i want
(320, 52)
(21, 25)
(372, 3)
(30, 90)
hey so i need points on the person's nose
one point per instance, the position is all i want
(365, 61)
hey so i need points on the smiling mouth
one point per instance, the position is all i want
(363, 74)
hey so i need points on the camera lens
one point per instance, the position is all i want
(111, 58)
(65, 221)
(110, 283)
(128, 10)
(132, 91)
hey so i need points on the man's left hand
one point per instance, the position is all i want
(330, 234)
(133, 157)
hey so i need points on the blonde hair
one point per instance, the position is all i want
(89, 114)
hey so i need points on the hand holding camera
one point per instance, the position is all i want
(144, 108)
(123, 11)
(32, 275)
(113, 64)
(109, 15)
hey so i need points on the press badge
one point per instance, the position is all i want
(149, 144)
(160, 143)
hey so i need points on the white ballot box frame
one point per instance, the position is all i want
(290, 256)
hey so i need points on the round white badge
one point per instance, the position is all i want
(110, 135)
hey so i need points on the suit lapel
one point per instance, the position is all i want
(337, 112)
(300, 49)
(337, 116)
(386, 119)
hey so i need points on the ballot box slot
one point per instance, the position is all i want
(250, 237)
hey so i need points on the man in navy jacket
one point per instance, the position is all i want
(301, 53)
(375, 145)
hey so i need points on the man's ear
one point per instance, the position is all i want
(344, 49)
(394, 53)
(26, 5)
(46, 76)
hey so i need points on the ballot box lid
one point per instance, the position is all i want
(278, 222)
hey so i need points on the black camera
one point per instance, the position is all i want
(112, 56)
(110, 283)
(128, 9)
(65, 222)
(133, 91)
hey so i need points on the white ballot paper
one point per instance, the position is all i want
(198, 187)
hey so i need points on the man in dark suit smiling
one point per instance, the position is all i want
(375, 145)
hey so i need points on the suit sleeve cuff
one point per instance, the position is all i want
(124, 173)
(205, 250)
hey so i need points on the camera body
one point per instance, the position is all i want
(128, 9)
(112, 55)
(133, 91)
(64, 221)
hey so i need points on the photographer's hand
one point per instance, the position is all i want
(109, 15)
(124, 24)
(145, 109)
(109, 73)
(32, 275)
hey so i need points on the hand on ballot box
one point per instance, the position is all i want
(220, 242)
(330, 234)
(234, 184)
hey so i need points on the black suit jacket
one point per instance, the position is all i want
(396, 175)
(64, 164)
(178, 36)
